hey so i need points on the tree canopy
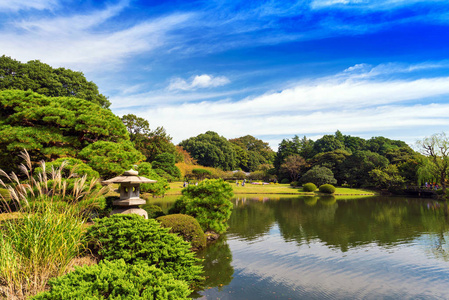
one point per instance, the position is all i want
(43, 79)
(211, 150)
(150, 142)
(53, 127)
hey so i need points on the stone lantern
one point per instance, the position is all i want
(129, 193)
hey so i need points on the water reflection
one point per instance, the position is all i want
(320, 248)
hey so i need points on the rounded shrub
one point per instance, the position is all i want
(294, 183)
(309, 187)
(327, 189)
(187, 227)
(137, 240)
(208, 202)
(116, 280)
(285, 181)
(153, 211)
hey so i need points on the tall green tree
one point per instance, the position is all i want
(150, 142)
(52, 127)
(43, 79)
(358, 166)
(211, 150)
(166, 162)
(257, 151)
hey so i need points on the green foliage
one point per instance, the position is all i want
(154, 211)
(292, 167)
(52, 127)
(319, 176)
(309, 187)
(150, 142)
(43, 79)
(200, 174)
(285, 181)
(240, 175)
(137, 240)
(166, 162)
(37, 246)
(116, 280)
(328, 143)
(327, 189)
(387, 177)
(187, 227)
(209, 202)
(252, 152)
(111, 159)
(357, 167)
(157, 188)
(294, 183)
(211, 150)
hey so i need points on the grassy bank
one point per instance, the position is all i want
(286, 189)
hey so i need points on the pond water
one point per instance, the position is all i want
(321, 248)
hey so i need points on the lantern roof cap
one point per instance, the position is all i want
(130, 176)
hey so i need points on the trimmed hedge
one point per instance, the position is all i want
(135, 240)
(187, 227)
(208, 202)
(309, 187)
(153, 210)
(116, 280)
(294, 183)
(327, 189)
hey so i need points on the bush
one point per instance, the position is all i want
(157, 188)
(187, 227)
(319, 175)
(327, 189)
(200, 174)
(294, 183)
(153, 210)
(285, 180)
(208, 202)
(136, 240)
(309, 187)
(116, 280)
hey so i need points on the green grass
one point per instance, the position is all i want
(36, 246)
(286, 189)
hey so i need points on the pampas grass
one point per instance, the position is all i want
(48, 234)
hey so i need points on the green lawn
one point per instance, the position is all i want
(176, 187)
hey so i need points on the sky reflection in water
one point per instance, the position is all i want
(371, 248)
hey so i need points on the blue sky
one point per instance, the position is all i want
(272, 69)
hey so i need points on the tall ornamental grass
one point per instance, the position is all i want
(48, 234)
(36, 247)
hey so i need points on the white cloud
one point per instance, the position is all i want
(368, 4)
(198, 82)
(16, 5)
(78, 42)
(352, 103)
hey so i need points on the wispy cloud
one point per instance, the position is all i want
(198, 82)
(368, 4)
(352, 104)
(16, 5)
(79, 41)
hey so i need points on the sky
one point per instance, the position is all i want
(271, 69)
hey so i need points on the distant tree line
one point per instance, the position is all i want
(56, 114)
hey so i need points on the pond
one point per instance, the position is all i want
(321, 248)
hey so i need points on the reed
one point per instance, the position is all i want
(48, 235)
